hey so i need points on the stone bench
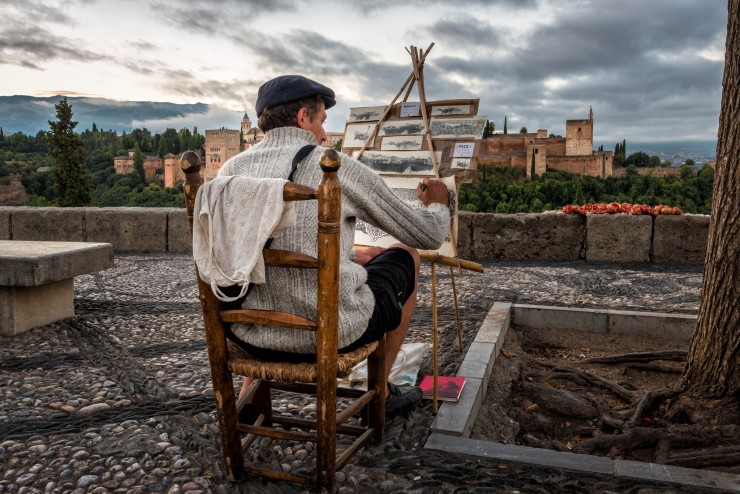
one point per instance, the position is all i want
(37, 280)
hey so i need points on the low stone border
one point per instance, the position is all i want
(553, 236)
(452, 426)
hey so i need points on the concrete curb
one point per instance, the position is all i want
(678, 326)
(706, 479)
(452, 426)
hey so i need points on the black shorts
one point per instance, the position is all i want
(391, 276)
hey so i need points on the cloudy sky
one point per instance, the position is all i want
(651, 69)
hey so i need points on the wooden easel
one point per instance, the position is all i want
(417, 77)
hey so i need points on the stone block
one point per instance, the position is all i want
(494, 327)
(524, 236)
(35, 263)
(520, 454)
(49, 224)
(478, 361)
(37, 280)
(618, 238)
(652, 324)
(458, 418)
(23, 307)
(543, 316)
(680, 239)
(703, 480)
(178, 235)
(128, 229)
(5, 233)
(465, 235)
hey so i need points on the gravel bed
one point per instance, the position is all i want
(119, 399)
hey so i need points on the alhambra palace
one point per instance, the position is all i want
(532, 152)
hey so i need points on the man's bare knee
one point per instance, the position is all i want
(414, 254)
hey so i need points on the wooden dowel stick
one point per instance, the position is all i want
(457, 309)
(430, 255)
(435, 349)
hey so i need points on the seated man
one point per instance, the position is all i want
(377, 292)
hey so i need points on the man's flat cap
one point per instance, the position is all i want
(287, 88)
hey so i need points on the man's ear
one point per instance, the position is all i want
(301, 117)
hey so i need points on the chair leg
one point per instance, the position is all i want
(376, 380)
(326, 430)
(227, 420)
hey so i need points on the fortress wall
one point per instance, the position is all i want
(553, 237)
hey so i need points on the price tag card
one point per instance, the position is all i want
(410, 109)
(463, 150)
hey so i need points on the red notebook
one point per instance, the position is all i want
(448, 387)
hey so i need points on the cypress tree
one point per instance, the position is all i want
(624, 147)
(139, 163)
(532, 166)
(505, 130)
(71, 177)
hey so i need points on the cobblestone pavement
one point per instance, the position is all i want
(118, 398)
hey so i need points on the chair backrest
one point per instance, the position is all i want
(328, 196)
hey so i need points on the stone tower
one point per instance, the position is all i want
(246, 124)
(579, 136)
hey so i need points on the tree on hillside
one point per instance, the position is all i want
(523, 130)
(139, 163)
(72, 179)
(713, 364)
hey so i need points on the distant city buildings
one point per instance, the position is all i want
(536, 152)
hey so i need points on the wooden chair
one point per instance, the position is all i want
(318, 379)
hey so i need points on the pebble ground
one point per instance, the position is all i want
(118, 399)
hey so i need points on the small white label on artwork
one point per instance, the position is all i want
(464, 150)
(410, 109)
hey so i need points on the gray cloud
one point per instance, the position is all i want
(217, 15)
(30, 47)
(635, 62)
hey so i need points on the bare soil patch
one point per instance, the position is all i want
(601, 394)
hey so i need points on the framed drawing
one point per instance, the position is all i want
(355, 135)
(402, 127)
(458, 127)
(401, 143)
(400, 162)
(460, 163)
(405, 189)
(365, 114)
(449, 110)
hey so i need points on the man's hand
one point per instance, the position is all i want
(432, 191)
(364, 254)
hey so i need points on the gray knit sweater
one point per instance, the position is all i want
(364, 196)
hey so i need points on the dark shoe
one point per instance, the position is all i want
(248, 415)
(401, 399)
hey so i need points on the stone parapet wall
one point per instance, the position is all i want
(549, 237)
(620, 238)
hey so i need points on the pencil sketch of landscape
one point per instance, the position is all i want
(365, 113)
(405, 189)
(446, 110)
(401, 127)
(399, 162)
(460, 163)
(458, 127)
(356, 135)
(401, 143)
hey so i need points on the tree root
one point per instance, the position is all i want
(674, 355)
(651, 400)
(567, 372)
(655, 367)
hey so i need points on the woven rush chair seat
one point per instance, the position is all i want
(252, 416)
(305, 372)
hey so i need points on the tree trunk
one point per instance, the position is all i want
(714, 353)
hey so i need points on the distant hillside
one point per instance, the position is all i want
(29, 114)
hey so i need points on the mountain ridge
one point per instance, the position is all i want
(30, 114)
